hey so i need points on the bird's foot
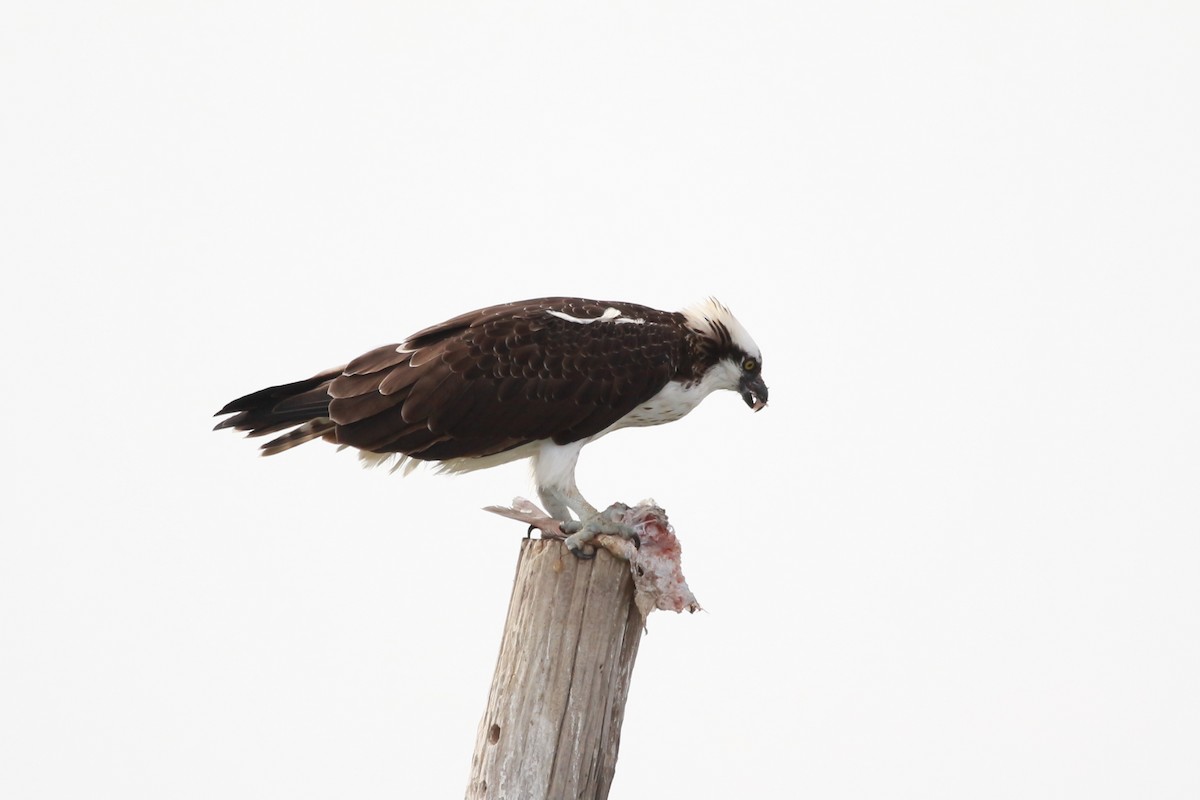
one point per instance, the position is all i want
(603, 523)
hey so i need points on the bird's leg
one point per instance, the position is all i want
(556, 505)
(554, 473)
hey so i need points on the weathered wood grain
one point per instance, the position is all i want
(553, 720)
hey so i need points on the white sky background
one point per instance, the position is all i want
(958, 556)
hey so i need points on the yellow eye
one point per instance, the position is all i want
(749, 365)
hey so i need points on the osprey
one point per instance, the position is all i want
(534, 379)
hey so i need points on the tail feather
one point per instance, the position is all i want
(313, 429)
(303, 405)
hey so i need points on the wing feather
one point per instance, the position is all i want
(347, 410)
(380, 358)
(400, 378)
(346, 385)
(423, 397)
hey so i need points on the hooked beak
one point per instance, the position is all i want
(754, 392)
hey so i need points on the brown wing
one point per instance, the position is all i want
(499, 377)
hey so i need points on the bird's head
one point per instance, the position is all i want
(727, 356)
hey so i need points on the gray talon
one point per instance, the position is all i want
(579, 552)
(605, 523)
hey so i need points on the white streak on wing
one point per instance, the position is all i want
(631, 321)
(609, 313)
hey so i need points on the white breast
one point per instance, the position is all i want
(676, 399)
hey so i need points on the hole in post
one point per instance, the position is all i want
(494, 734)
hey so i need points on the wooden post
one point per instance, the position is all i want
(554, 713)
